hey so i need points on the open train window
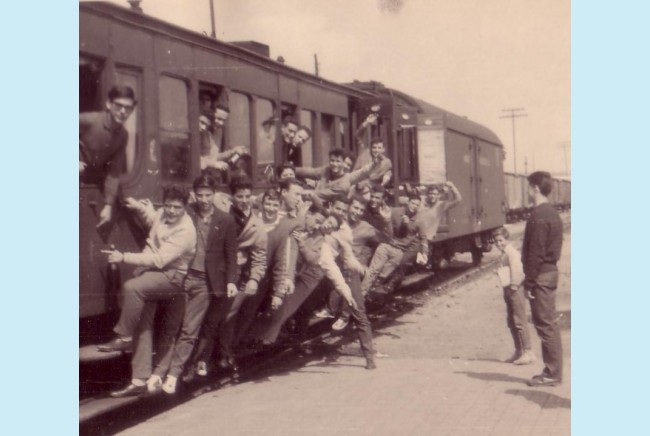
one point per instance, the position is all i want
(174, 128)
(239, 127)
(326, 139)
(265, 141)
(131, 78)
(407, 154)
(343, 131)
(90, 89)
(307, 120)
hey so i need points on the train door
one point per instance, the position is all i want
(98, 284)
(489, 184)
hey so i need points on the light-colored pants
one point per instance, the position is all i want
(385, 260)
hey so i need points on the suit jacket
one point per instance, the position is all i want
(220, 251)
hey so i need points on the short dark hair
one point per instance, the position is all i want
(120, 91)
(222, 107)
(359, 199)
(317, 208)
(339, 220)
(543, 180)
(413, 195)
(501, 231)
(204, 181)
(175, 192)
(271, 194)
(376, 140)
(338, 152)
(240, 182)
(306, 129)
(285, 165)
(289, 119)
(432, 188)
(285, 184)
(341, 198)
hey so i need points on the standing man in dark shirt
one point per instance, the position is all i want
(102, 141)
(539, 254)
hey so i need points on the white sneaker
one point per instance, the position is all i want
(340, 324)
(170, 385)
(201, 368)
(154, 384)
(526, 359)
(324, 314)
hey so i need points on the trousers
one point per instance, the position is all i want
(516, 318)
(545, 320)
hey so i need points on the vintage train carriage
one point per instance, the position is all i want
(429, 145)
(517, 201)
(168, 67)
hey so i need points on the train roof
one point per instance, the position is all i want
(451, 121)
(148, 22)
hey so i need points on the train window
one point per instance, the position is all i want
(174, 128)
(406, 157)
(90, 90)
(239, 126)
(343, 131)
(265, 141)
(132, 79)
(326, 139)
(306, 119)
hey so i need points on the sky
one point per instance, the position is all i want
(474, 58)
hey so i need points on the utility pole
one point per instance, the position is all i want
(564, 145)
(214, 29)
(525, 165)
(514, 113)
(315, 64)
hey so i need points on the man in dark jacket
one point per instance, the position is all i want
(539, 254)
(211, 282)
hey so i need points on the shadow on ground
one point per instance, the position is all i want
(543, 398)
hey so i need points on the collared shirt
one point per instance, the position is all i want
(101, 147)
(202, 233)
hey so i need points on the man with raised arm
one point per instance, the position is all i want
(164, 263)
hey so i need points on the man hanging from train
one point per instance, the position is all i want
(293, 150)
(102, 145)
(332, 180)
(212, 274)
(163, 263)
(382, 171)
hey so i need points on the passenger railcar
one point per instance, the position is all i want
(169, 67)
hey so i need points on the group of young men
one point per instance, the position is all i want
(229, 273)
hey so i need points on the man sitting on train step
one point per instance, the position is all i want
(332, 180)
(214, 155)
(102, 144)
(165, 260)
(409, 236)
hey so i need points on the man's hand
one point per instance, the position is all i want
(231, 290)
(105, 215)
(371, 118)
(241, 149)
(114, 256)
(385, 212)
(276, 302)
(219, 165)
(405, 219)
(299, 235)
(82, 166)
(348, 298)
(288, 286)
(251, 287)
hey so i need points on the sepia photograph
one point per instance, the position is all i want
(310, 217)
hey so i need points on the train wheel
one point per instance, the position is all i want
(477, 255)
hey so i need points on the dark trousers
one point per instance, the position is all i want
(171, 318)
(516, 318)
(268, 328)
(214, 323)
(249, 311)
(198, 300)
(545, 321)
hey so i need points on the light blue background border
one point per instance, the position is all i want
(610, 99)
(39, 76)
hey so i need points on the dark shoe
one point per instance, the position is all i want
(130, 391)
(370, 363)
(116, 344)
(541, 380)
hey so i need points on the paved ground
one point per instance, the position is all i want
(441, 373)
